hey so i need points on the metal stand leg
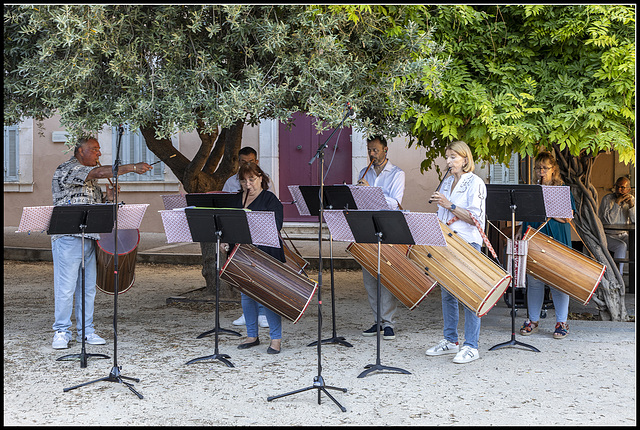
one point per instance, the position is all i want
(216, 355)
(377, 366)
(513, 341)
(335, 338)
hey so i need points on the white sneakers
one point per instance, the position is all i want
(262, 321)
(239, 321)
(60, 340)
(464, 355)
(443, 347)
(94, 339)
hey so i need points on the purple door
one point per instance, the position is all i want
(297, 147)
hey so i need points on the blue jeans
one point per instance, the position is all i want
(250, 310)
(450, 315)
(67, 281)
(535, 299)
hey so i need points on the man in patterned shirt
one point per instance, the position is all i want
(75, 182)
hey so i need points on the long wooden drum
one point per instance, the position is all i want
(561, 267)
(269, 281)
(472, 277)
(401, 276)
(128, 240)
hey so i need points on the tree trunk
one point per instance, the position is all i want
(212, 165)
(576, 172)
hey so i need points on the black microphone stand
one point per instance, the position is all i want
(318, 381)
(115, 375)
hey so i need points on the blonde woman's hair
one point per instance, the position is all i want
(463, 150)
(555, 176)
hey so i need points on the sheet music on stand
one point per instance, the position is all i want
(37, 218)
(424, 227)
(366, 198)
(174, 201)
(262, 225)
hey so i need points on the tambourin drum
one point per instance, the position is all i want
(401, 276)
(269, 281)
(472, 277)
(294, 260)
(127, 252)
(561, 267)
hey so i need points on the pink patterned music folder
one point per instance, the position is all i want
(557, 201)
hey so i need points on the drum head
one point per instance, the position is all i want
(127, 241)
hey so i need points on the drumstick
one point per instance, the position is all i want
(156, 162)
(440, 184)
(368, 167)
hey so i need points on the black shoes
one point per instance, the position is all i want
(249, 344)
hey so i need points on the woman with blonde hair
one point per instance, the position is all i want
(462, 197)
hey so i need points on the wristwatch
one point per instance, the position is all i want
(453, 207)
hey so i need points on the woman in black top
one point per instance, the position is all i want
(255, 196)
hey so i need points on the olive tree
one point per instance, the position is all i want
(211, 69)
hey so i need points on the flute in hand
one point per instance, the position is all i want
(440, 184)
(365, 172)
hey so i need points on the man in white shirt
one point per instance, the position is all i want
(391, 179)
(618, 208)
(245, 155)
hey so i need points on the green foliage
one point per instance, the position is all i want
(203, 67)
(523, 78)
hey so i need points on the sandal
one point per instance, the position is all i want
(529, 327)
(561, 331)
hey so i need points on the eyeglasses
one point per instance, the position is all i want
(622, 187)
(537, 169)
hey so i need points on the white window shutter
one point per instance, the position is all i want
(501, 174)
(11, 153)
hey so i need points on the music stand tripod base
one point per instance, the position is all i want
(114, 376)
(318, 384)
(220, 331)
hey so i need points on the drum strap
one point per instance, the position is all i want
(479, 227)
(579, 237)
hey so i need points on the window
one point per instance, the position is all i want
(133, 149)
(501, 174)
(11, 153)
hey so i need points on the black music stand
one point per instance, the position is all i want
(214, 225)
(213, 200)
(389, 227)
(73, 219)
(115, 375)
(510, 203)
(335, 197)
